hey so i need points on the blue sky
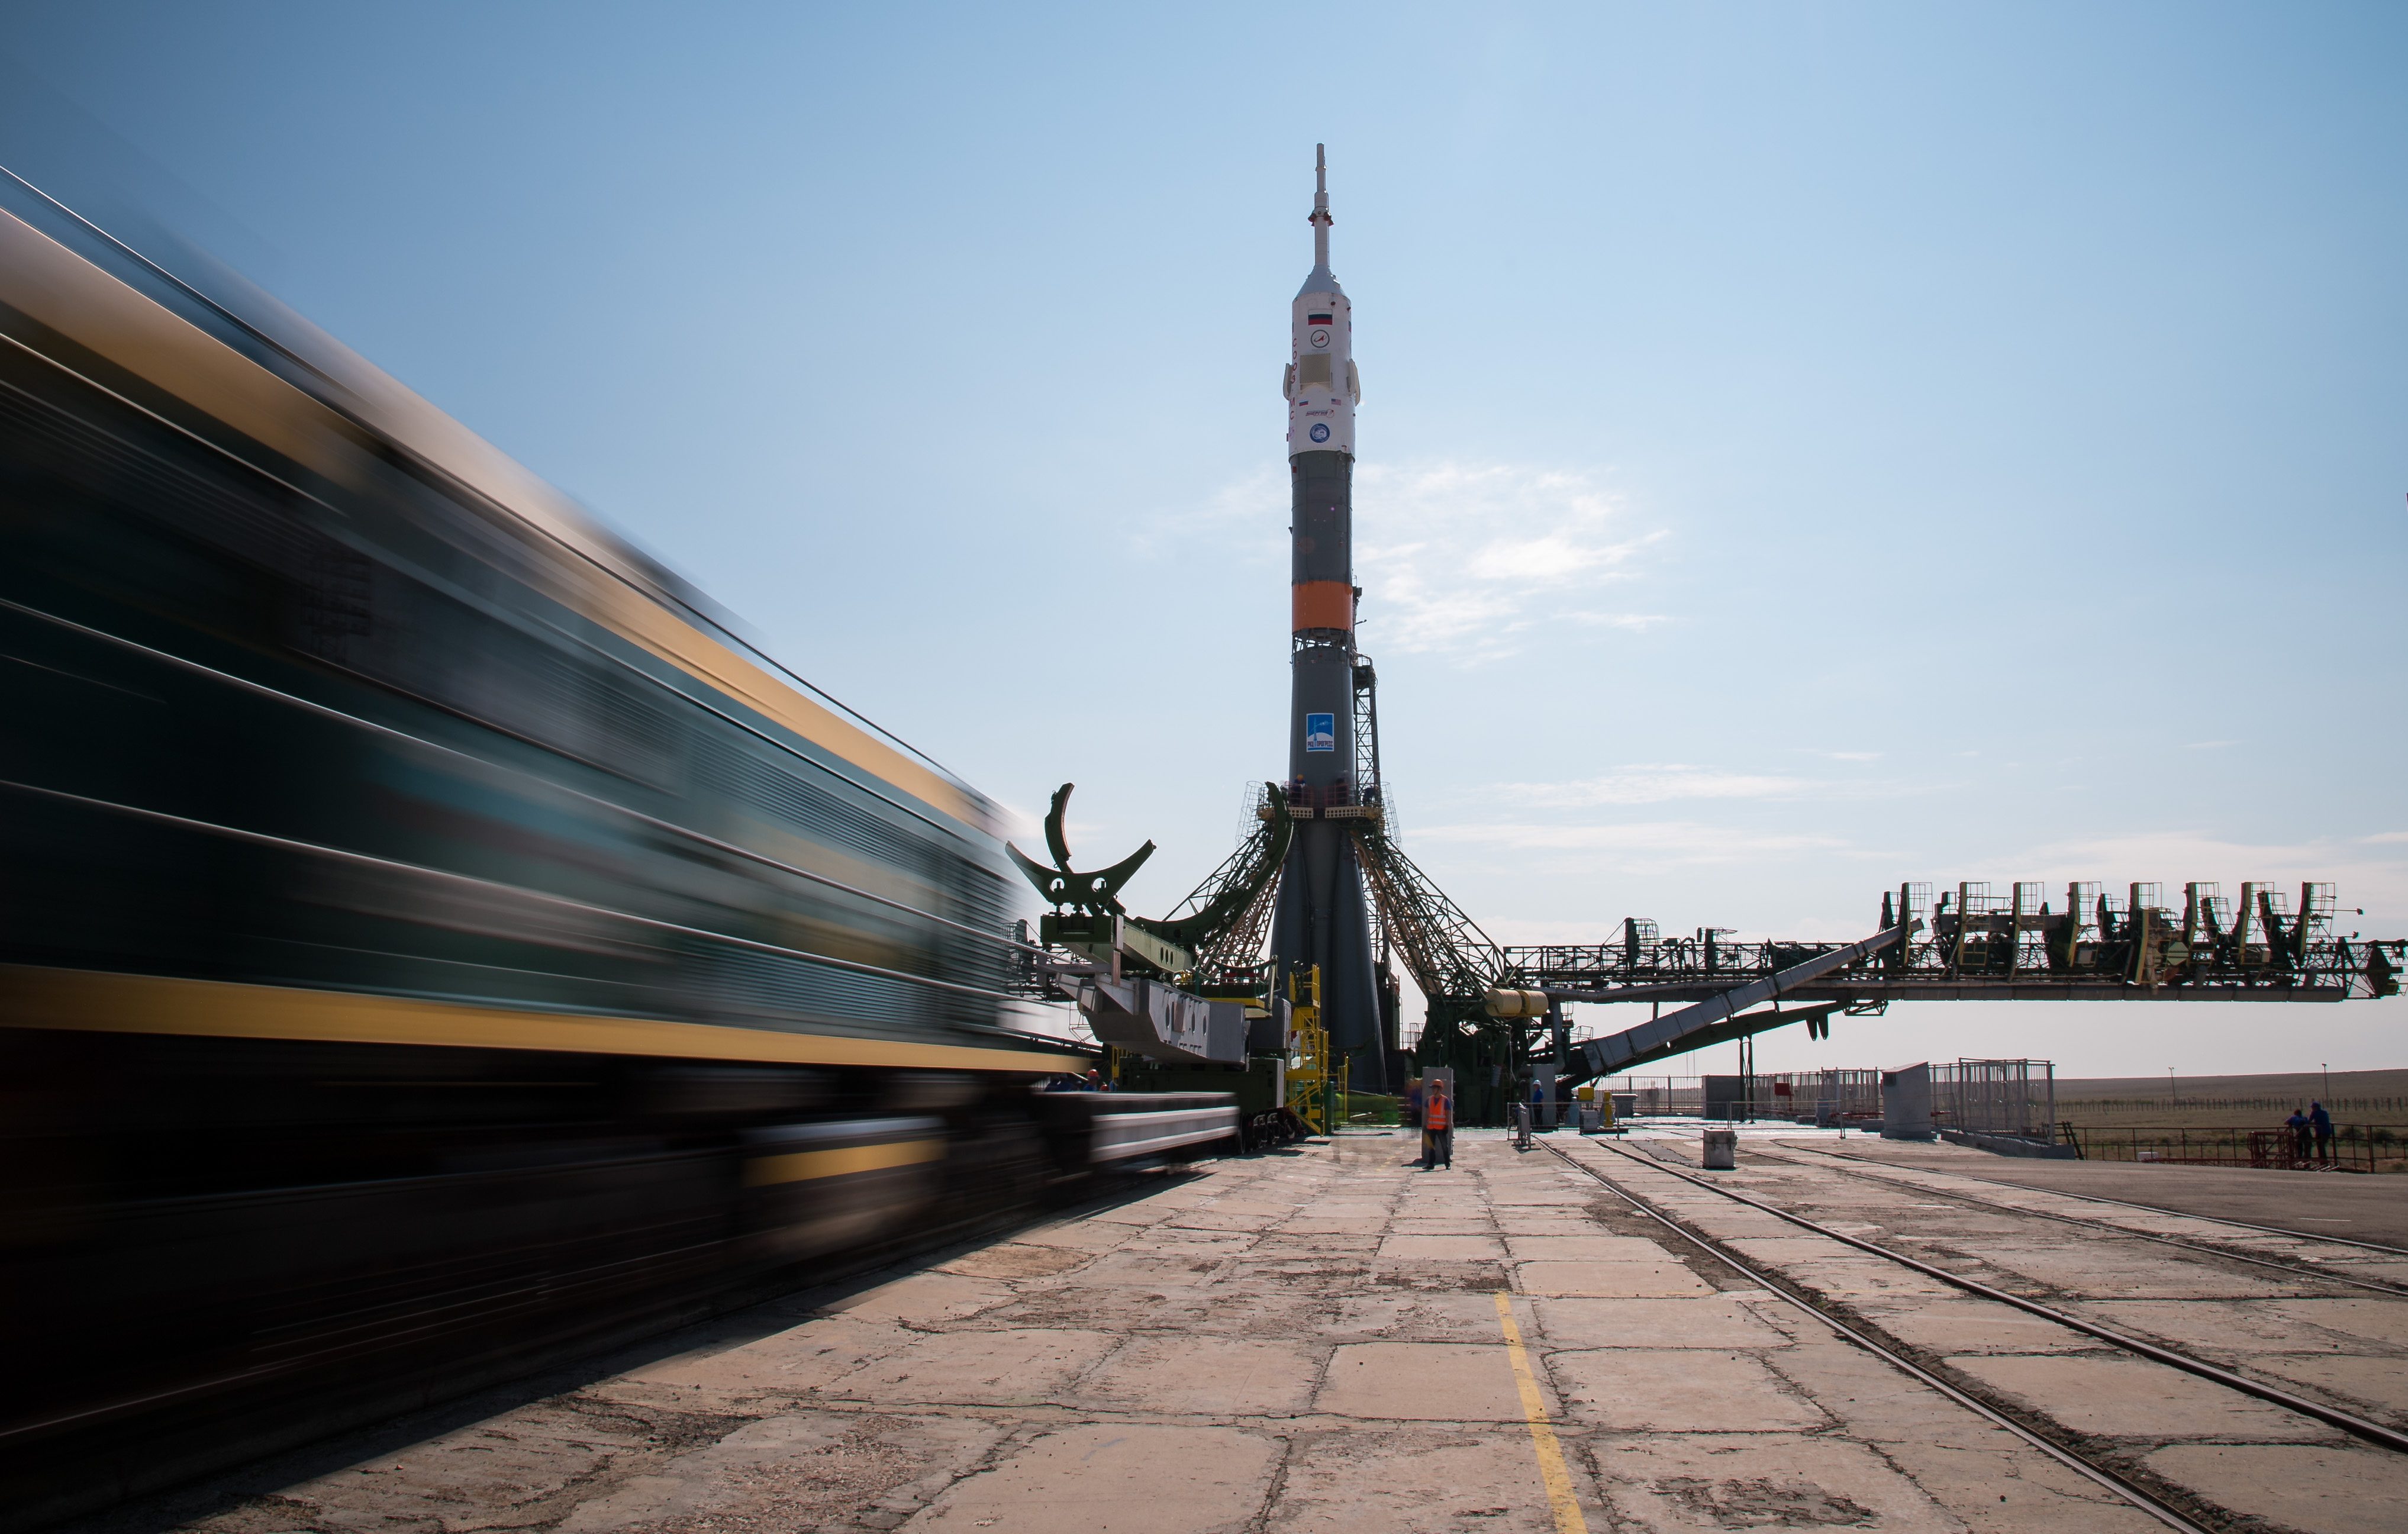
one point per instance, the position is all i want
(1804, 447)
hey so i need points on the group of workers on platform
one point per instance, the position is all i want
(1432, 1110)
(2314, 1123)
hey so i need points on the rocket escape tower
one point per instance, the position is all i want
(1323, 916)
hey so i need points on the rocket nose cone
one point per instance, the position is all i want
(1320, 282)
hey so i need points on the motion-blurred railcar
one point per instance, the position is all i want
(427, 927)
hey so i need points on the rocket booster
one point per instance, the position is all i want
(1322, 917)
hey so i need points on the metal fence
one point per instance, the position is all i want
(2353, 1148)
(2014, 1097)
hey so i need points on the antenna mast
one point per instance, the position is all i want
(1319, 206)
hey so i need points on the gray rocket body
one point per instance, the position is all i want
(1323, 917)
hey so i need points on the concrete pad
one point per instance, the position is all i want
(1442, 1249)
(1721, 1322)
(1011, 1260)
(1151, 1270)
(1425, 1316)
(1421, 1382)
(1115, 1478)
(1543, 1222)
(2379, 1382)
(2131, 1397)
(1418, 1481)
(1856, 1279)
(1460, 1226)
(798, 1471)
(1780, 1251)
(456, 1480)
(1585, 1248)
(2338, 1490)
(1753, 1482)
(2385, 1320)
(923, 1299)
(803, 1358)
(1662, 1279)
(2009, 1490)
(978, 1368)
(1220, 1219)
(1484, 1278)
(1315, 1225)
(1973, 1325)
(2108, 1269)
(1079, 1235)
(1699, 1391)
(1207, 1376)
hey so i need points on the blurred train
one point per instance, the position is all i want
(430, 932)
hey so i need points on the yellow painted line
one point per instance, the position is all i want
(1542, 1437)
(800, 1165)
(99, 1001)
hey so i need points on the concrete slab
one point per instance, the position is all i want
(923, 1299)
(1585, 1248)
(1662, 1279)
(1783, 1481)
(796, 1361)
(1421, 1382)
(2385, 1320)
(1680, 1391)
(1017, 1260)
(2335, 1490)
(2119, 1397)
(1721, 1322)
(797, 1471)
(1207, 1376)
(1975, 1326)
(978, 1368)
(1442, 1249)
(1416, 1481)
(1115, 1478)
(1417, 1316)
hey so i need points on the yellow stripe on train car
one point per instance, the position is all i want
(103, 1001)
(802, 1166)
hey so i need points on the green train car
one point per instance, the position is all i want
(430, 931)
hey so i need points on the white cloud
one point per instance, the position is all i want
(2386, 836)
(1470, 559)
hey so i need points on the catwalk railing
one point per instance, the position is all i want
(1680, 969)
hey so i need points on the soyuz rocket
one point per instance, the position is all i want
(1322, 917)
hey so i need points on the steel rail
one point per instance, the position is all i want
(2132, 1492)
(2159, 1208)
(2372, 1432)
(656, 824)
(2303, 1269)
(418, 871)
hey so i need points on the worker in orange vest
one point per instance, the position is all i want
(1438, 1124)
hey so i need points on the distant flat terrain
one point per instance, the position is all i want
(2265, 1099)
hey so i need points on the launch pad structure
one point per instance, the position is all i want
(1319, 894)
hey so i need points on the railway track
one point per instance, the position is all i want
(2302, 1270)
(1835, 1156)
(2119, 1471)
